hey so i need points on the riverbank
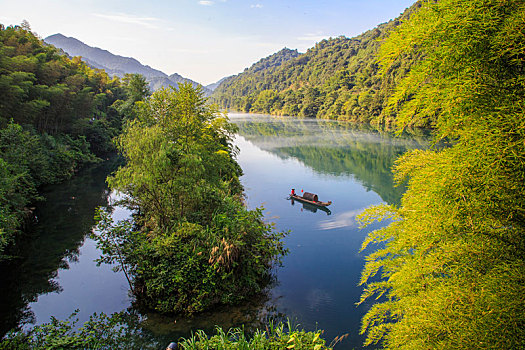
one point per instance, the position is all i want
(317, 282)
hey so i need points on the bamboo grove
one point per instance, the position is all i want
(452, 260)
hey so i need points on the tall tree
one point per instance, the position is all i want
(197, 244)
(453, 258)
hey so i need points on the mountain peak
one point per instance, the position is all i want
(115, 64)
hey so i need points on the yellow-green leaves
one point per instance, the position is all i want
(450, 259)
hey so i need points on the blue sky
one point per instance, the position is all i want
(203, 40)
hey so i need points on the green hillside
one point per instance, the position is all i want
(338, 78)
(56, 114)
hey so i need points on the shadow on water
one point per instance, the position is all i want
(251, 315)
(310, 207)
(51, 242)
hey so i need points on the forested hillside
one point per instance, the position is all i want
(253, 78)
(338, 78)
(56, 114)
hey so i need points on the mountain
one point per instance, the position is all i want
(252, 79)
(338, 78)
(115, 64)
(214, 85)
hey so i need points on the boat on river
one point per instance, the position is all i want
(310, 198)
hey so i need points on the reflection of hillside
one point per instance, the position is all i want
(334, 148)
(53, 242)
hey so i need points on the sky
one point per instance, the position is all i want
(204, 40)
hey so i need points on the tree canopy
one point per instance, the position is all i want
(193, 243)
(56, 115)
(453, 256)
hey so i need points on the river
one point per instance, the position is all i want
(317, 284)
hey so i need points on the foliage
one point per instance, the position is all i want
(137, 91)
(338, 78)
(117, 331)
(43, 88)
(453, 257)
(194, 244)
(123, 331)
(274, 337)
(28, 161)
(179, 159)
(56, 114)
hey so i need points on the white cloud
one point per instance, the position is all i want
(257, 6)
(148, 22)
(190, 50)
(312, 37)
(206, 2)
(345, 219)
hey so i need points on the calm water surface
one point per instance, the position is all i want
(317, 286)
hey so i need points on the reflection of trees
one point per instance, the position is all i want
(335, 148)
(250, 315)
(52, 242)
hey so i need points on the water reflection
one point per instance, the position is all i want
(334, 148)
(318, 282)
(310, 207)
(251, 315)
(52, 242)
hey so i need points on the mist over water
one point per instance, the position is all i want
(317, 284)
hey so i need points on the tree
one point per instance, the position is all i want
(193, 243)
(176, 150)
(137, 87)
(137, 90)
(453, 256)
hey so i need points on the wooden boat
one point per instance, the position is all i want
(309, 198)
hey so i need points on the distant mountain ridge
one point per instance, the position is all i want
(213, 86)
(115, 64)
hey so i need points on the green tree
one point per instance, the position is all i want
(194, 244)
(137, 90)
(54, 114)
(176, 150)
(453, 257)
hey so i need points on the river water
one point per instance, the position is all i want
(317, 284)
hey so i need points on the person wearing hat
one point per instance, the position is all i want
(172, 346)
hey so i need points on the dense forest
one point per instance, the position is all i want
(339, 78)
(452, 259)
(56, 115)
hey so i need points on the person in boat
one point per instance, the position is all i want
(293, 192)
